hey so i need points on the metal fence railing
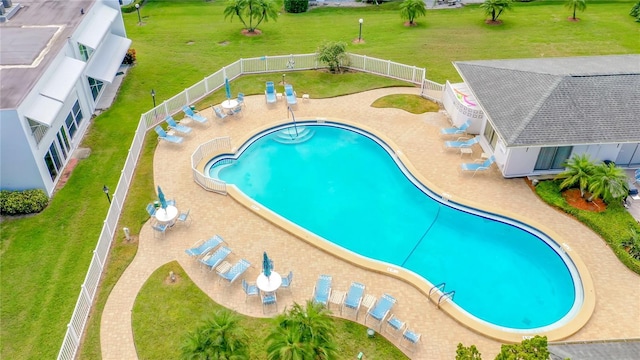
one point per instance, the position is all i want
(153, 117)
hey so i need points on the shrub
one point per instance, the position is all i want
(296, 6)
(23, 202)
(635, 11)
(130, 57)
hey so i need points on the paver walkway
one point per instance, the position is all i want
(248, 235)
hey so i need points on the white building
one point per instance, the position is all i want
(57, 59)
(533, 114)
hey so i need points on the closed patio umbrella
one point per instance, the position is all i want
(266, 265)
(227, 88)
(163, 201)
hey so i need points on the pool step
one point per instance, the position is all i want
(288, 135)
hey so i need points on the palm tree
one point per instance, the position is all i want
(334, 54)
(219, 338)
(494, 8)
(576, 5)
(579, 171)
(411, 9)
(609, 182)
(633, 243)
(253, 10)
(303, 333)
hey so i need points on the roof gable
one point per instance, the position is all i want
(538, 102)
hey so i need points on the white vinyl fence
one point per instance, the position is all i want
(153, 117)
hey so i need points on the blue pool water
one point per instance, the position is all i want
(346, 188)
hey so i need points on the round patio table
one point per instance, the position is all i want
(229, 104)
(167, 216)
(269, 284)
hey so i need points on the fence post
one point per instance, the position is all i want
(388, 67)
(186, 95)
(95, 254)
(242, 66)
(364, 62)
(74, 336)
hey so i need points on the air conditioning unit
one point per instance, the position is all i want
(7, 3)
(2, 9)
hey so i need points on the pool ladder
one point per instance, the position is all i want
(445, 295)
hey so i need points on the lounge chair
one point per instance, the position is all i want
(270, 92)
(249, 290)
(173, 125)
(475, 167)
(212, 260)
(204, 246)
(353, 300)
(290, 94)
(380, 311)
(162, 135)
(460, 130)
(322, 290)
(235, 271)
(220, 114)
(193, 115)
(456, 144)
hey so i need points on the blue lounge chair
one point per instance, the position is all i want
(461, 143)
(204, 246)
(162, 135)
(235, 271)
(475, 167)
(172, 124)
(290, 94)
(462, 129)
(212, 260)
(322, 290)
(270, 92)
(353, 300)
(193, 115)
(380, 311)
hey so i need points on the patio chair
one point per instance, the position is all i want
(269, 299)
(151, 209)
(159, 229)
(235, 271)
(213, 259)
(173, 125)
(270, 92)
(456, 144)
(220, 114)
(637, 174)
(193, 115)
(475, 167)
(411, 339)
(394, 326)
(460, 130)
(322, 290)
(162, 135)
(241, 99)
(249, 290)
(290, 94)
(204, 246)
(237, 111)
(184, 218)
(286, 281)
(380, 311)
(353, 300)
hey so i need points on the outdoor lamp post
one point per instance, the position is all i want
(153, 97)
(360, 33)
(283, 75)
(105, 189)
(138, 10)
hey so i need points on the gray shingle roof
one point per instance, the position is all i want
(559, 101)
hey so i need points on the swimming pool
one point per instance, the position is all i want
(346, 186)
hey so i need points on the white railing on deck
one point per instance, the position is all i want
(153, 117)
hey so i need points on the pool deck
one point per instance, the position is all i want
(617, 309)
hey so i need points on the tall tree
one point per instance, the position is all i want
(410, 9)
(494, 8)
(576, 5)
(252, 11)
(609, 182)
(579, 169)
(303, 333)
(218, 338)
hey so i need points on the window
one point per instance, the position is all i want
(74, 119)
(52, 160)
(38, 130)
(85, 52)
(553, 158)
(96, 86)
(490, 135)
(61, 145)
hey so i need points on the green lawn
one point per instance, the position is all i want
(44, 258)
